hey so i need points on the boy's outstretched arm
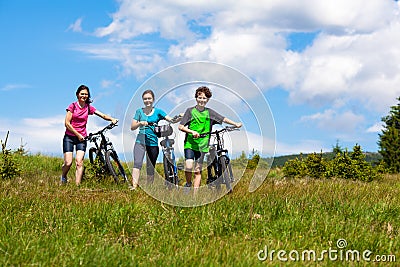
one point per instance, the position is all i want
(231, 122)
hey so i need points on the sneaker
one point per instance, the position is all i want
(132, 188)
(63, 180)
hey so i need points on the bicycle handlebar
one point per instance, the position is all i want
(173, 120)
(108, 127)
(225, 129)
(176, 117)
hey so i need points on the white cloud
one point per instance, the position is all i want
(330, 120)
(135, 18)
(354, 57)
(376, 128)
(14, 86)
(137, 59)
(303, 146)
(76, 26)
(106, 83)
(42, 135)
(327, 79)
(343, 68)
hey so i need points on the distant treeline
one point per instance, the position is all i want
(279, 161)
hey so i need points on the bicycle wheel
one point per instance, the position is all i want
(114, 166)
(168, 171)
(231, 172)
(97, 158)
(212, 173)
(176, 180)
(226, 179)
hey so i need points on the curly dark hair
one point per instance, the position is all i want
(205, 90)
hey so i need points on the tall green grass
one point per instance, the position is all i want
(103, 224)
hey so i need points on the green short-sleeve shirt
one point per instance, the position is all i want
(201, 122)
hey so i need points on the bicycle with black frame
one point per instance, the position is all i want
(167, 144)
(104, 154)
(219, 168)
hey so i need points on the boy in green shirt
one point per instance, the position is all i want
(195, 121)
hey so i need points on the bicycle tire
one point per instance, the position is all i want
(114, 166)
(231, 172)
(226, 179)
(217, 171)
(93, 155)
(212, 174)
(169, 171)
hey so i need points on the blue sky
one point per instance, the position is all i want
(328, 69)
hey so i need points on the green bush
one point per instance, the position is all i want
(8, 166)
(344, 165)
(295, 168)
(341, 166)
(95, 171)
(316, 165)
(353, 166)
(253, 162)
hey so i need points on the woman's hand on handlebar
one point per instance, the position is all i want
(143, 123)
(80, 137)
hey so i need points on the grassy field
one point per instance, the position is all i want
(102, 224)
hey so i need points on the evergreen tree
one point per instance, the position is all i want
(389, 140)
(337, 149)
(357, 155)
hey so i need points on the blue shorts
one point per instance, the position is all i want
(70, 141)
(195, 155)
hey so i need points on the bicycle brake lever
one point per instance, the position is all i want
(176, 117)
(110, 126)
(232, 128)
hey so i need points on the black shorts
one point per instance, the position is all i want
(70, 141)
(195, 155)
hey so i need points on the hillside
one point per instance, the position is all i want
(101, 223)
